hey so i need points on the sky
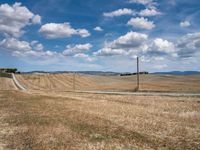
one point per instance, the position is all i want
(100, 35)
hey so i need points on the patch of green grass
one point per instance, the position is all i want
(98, 137)
(83, 127)
(6, 75)
(93, 133)
(28, 119)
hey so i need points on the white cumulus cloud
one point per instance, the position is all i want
(61, 30)
(185, 24)
(98, 29)
(13, 18)
(149, 12)
(119, 12)
(164, 46)
(131, 43)
(84, 57)
(142, 23)
(75, 49)
(13, 44)
(107, 51)
(83, 32)
(36, 19)
(24, 49)
(148, 3)
(189, 45)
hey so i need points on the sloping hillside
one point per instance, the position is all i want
(6, 84)
(174, 83)
(64, 82)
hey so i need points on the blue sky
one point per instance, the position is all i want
(104, 35)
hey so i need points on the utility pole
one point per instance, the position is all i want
(138, 75)
(74, 78)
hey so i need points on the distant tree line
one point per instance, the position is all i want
(135, 73)
(8, 70)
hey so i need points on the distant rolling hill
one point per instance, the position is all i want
(179, 72)
(106, 73)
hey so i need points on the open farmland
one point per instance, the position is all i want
(39, 119)
(6, 84)
(64, 82)
(100, 75)
(89, 121)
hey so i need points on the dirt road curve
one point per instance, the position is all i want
(17, 84)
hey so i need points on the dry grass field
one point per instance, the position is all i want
(48, 117)
(90, 121)
(64, 82)
(6, 84)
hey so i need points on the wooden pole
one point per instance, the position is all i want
(138, 74)
(74, 78)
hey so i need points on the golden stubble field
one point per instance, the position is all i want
(64, 82)
(98, 121)
(46, 116)
(7, 84)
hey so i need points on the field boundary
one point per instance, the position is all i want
(17, 84)
(143, 93)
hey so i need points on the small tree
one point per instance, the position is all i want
(11, 70)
